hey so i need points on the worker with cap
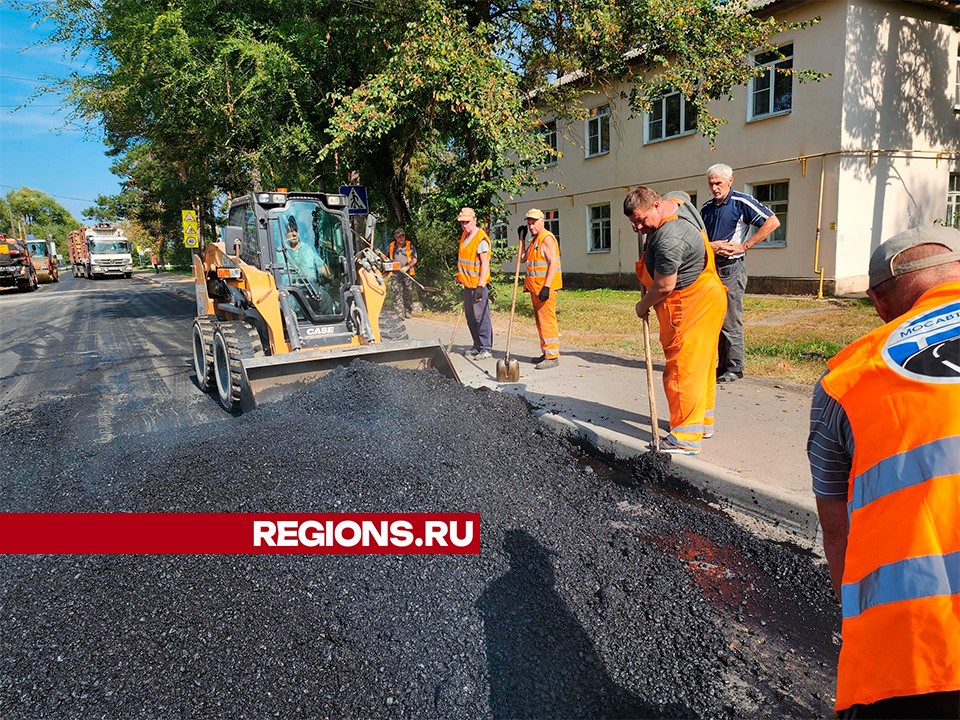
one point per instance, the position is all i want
(542, 281)
(884, 451)
(677, 269)
(473, 273)
(402, 251)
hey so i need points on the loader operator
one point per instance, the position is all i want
(678, 271)
(307, 267)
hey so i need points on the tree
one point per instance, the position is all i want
(33, 211)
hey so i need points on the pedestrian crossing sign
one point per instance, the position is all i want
(356, 199)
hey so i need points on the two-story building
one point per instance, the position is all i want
(845, 163)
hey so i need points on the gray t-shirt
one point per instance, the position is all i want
(677, 246)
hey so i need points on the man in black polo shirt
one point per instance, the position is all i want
(728, 216)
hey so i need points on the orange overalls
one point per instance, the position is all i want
(690, 321)
(544, 311)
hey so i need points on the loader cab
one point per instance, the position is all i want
(304, 248)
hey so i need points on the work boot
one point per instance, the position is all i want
(483, 355)
(471, 353)
(729, 377)
(547, 364)
(538, 360)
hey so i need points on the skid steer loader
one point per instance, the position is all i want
(288, 295)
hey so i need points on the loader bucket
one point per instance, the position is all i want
(268, 378)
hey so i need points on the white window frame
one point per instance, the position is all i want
(599, 224)
(956, 96)
(500, 235)
(552, 139)
(551, 222)
(753, 113)
(953, 201)
(660, 106)
(593, 128)
(780, 208)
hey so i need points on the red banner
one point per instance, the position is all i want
(239, 533)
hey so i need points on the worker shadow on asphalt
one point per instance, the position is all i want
(587, 415)
(540, 660)
(606, 359)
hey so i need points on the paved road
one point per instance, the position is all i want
(593, 594)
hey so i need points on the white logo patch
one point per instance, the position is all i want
(927, 348)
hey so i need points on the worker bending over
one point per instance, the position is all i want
(542, 280)
(884, 451)
(677, 269)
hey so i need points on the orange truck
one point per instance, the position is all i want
(16, 269)
(100, 250)
(43, 255)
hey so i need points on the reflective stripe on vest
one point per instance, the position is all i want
(909, 579)
(468, 261)
(536, 265)
(900, 591)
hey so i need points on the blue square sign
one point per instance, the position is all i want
(356, 199)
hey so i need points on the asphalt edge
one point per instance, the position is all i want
(751, 498)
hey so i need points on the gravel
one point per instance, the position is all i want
(596, 594)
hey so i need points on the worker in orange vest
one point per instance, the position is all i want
(155, 261)
(402, 251)
(542, 280)
(677, 269)
(884, 452)
(473, 273)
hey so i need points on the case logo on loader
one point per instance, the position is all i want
(319, 330)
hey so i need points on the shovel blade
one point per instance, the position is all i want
(508, 371)
(502, 371)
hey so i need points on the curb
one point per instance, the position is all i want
(721, 485)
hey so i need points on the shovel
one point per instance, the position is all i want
(509, 370)
(648, 362)
(456, 327)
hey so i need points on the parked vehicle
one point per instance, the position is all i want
(100, 250)
(15, 266)
(43, 255)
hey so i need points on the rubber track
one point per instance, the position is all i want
(208, 325)
(242, 341)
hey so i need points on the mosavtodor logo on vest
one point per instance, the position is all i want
(927, 347)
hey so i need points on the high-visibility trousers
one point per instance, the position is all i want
(545, 313)
(690, 322)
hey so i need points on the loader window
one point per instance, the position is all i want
(308, 244)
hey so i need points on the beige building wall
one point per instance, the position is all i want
(823, 121)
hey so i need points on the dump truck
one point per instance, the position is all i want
(100, 250)
(290, 292)
(16, 269)
(43, 255)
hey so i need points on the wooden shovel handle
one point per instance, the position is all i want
(513, 304)
(648, 361)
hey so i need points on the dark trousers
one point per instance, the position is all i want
(401, 286)
(478, 317)
(730, 350)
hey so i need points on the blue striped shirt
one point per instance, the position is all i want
(732, 218)
(829, 446)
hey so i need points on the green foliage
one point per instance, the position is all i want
(35, 212)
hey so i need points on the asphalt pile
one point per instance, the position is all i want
(594, 595)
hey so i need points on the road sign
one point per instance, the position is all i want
(191, 228)
(356, 199)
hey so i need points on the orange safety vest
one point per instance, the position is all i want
(409, 270)
(468, 261)
(536, 265)
(900, 388)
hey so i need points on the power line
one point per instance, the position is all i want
(61, 197)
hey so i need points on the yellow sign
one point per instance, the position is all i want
(4, 249)
(189, 216)
(191, 241)
(190, 228)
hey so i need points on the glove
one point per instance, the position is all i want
(478, 294)
(544, 294)
(522, 233)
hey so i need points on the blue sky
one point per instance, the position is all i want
(36, 149)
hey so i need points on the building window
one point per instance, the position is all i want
(549, 130)
(953, 201)
(500, 232)
(552, 223)
(598, 131)
(671, 116)
(956, 99)
(693, 201)
(775, 196)
(599, 228)
(772, 92)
